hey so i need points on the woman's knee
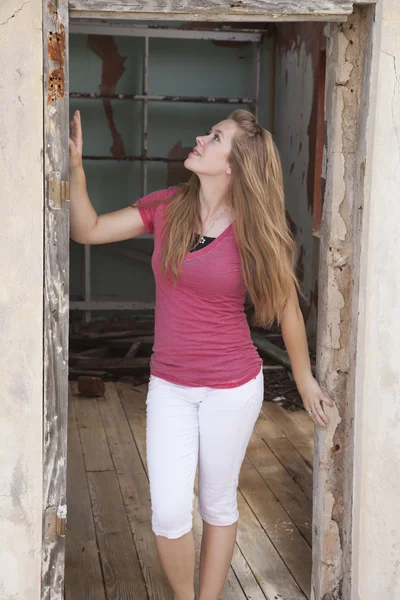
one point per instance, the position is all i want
(219, 506)
(170, 519)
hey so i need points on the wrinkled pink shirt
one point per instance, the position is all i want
(201, 333)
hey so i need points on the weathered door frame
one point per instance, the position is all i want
(56, 294)
(347, 98)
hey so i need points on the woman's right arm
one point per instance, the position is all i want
(86, 227)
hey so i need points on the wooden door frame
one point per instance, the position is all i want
(56, 296)
(347, 99)
(214, 10)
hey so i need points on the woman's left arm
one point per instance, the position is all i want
(295, 338)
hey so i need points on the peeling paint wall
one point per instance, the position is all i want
(109, 64)
(299, 52)
(337, 305)
(376, 525)
(21, 290)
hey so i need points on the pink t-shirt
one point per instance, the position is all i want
(201, 333)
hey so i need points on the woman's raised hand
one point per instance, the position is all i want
(75, 141)
(86, 226)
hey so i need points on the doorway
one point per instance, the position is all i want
(145, 90)
(323, 269)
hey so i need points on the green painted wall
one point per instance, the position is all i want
(176, 67)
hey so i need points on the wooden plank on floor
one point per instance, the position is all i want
(270, 571)
(306, 450)
(284, 420)
(94, 441)
(122, 573)
(287, 492)
(245, 576)
(293, 430)
(267, 428)
(294, 463)
(281, 530)
(83, 577)
(134, 405)
(135, 491)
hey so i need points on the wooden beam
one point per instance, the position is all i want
(120, 366)
(215, 10)
(211, 33)
(111, 305)
(134, 349)
(272, 350)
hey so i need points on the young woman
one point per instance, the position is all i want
(216, 238)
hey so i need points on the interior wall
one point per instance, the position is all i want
(21, 293)
(299, 52)
(176, 67)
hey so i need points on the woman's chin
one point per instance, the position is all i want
(188, 165)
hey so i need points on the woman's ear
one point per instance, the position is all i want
(228, 170)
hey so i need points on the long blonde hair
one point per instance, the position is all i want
(266, 247)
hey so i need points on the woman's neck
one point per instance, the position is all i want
(213, 195)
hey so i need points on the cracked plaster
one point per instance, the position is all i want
(14, 14)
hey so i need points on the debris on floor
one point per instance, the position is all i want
(120, 349)
(111, 349)
(91, 386)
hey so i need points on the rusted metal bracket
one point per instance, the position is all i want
(58, 191)
(55, 522)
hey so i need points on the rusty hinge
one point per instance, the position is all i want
(58, 190)
(55, 522)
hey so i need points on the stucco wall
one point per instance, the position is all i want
(376, 530)
(21, 277)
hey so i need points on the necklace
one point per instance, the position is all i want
(202, 238)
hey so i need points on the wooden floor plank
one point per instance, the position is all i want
(94, 442)
(267, 428)
(270, 571)
(287, 492)
(83, 577)
(135, 491)
(280, 528)
(304, 443)
(80, 515)
(294, 463)
(134, 404)
(122, 573)
(295, 432)
(246, 576)
(306, 449)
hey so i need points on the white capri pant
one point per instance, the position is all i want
(190, 426)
